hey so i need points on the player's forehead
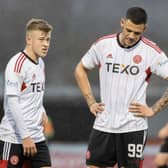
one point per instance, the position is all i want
(39, 33)
(134, 27)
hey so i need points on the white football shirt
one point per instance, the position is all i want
(26, 79)
(124, 75)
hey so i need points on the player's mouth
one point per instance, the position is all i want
(130, 41)
(44, 50)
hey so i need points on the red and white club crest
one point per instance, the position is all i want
(137, 59)
(14, 160)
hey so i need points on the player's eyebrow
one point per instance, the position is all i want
(137, 33)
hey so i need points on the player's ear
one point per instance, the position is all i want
(28, 38)
(122, 22)
(145, 28)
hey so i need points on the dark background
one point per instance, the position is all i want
(77, 24)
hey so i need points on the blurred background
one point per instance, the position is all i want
(77, 24)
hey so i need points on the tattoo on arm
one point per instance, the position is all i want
(90, 99)
(161, 103)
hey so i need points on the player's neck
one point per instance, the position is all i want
(120, 39)
(31, 54)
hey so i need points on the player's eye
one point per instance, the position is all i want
(48, 39)
(128, 30)
(137, 33)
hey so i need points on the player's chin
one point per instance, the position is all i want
(43, 55)
(129, 44)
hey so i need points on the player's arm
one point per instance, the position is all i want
(13, 84)
(146, 111)
(163, 133)
(159, 66)
(161, 103)
(29, 147)
(84, 85)
(44, 120)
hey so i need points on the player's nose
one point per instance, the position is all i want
(132, 35)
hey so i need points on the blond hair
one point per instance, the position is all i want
(38, 24)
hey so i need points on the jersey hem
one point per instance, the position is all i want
(118, 131)
(5, 139)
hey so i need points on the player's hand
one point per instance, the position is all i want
(29, 147)
(96, 108)
(140, 110)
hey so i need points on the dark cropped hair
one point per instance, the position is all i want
(137, 15)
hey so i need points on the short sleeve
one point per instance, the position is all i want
(160, 65)
(91, 58)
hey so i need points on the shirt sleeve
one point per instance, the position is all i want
(16, 112)
(13, 80)
(91, 58)
(43, 109)
(160, 65)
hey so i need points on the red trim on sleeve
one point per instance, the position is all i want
(106, 37)
(19, 63)
(151, 44)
